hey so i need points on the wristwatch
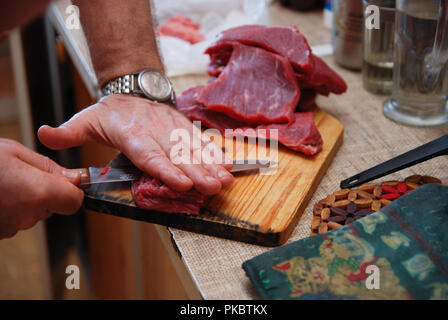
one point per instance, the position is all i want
(148, 83)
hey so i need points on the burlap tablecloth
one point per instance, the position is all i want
(369, 138)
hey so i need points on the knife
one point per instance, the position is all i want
(432, 149)
(94, 175)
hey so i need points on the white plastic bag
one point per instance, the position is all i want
(179, 56)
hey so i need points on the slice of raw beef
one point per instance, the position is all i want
(188, 104)
(323, 79)
(150, 193)
(255, 87)
(285, 41)
(299, 135)
(219, 57)
(183, 28)
(312, 71)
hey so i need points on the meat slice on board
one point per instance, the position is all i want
(188, 104)
(285, 41)
(255, 87)
(323, 79)
(299, 135)
(150, 193)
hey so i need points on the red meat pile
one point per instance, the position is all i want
(265, 77)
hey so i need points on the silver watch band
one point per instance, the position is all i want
(129, 84)
(124, 84)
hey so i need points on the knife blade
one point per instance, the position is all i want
(94, 175)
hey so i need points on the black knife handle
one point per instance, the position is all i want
(435, 148)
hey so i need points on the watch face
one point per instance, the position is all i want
(155, 85)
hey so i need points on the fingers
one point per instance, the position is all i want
(204, 180)
(181, 152)
(211, 157)
(46, 164)
(219, 173)
(70, 134)
(216, 162)
(148, 156)
(201, 159)
(61, 196)
(30, 194)
(47, 193)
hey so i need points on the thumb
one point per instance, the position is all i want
(70, 134)
(47, 165)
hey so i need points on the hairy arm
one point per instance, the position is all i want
(120, 36)
(122, 40)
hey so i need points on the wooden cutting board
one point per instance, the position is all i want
(258, 209)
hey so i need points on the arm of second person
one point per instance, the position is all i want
(122, 40)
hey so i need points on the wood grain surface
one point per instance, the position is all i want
(258, 208)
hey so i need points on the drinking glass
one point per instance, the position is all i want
(420, 88)
(378, 50)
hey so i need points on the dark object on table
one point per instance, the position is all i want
(435, 148)
(348, 205)
(405, 241)
(303, 4)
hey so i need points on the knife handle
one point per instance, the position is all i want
(85, 178)
(432, 149)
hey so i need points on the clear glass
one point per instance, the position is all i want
(378, 49)
(419, 95)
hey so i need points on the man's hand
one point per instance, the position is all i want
(141, 129)
(32, 188)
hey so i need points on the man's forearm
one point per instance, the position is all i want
(120, 36)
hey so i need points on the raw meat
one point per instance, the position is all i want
(150, 193)
(288, 42)
(105, 170)
(323, 79)
(285, 41)
(185, 21)
(255, 87)
(183, 28)
(299, 135)
(307, 99)
(219, 58)
(188, 104)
